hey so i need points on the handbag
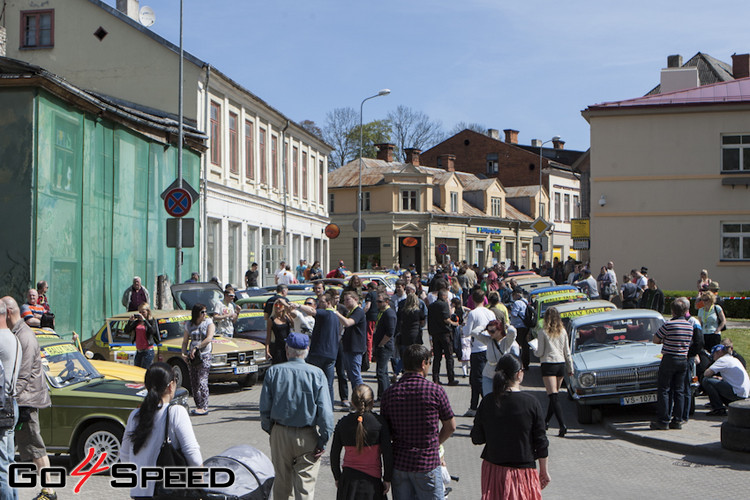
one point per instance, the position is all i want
(196, 361)
(169, 456)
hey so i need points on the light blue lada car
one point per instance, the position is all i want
(614, 359)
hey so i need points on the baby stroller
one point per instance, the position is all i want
(253, 477)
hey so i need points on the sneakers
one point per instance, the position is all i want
(719, 412)
(453, 382)
(674, 424)
(658, 426)
(46, 494)
(470, 413)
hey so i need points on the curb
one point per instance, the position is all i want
(712, 450)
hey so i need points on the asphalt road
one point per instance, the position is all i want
(587, 463)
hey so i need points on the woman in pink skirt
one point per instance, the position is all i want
(510, 424)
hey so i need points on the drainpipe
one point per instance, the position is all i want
(283, 180)
(518, 244)
(204, 181)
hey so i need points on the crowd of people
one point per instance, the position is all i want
(476, 317)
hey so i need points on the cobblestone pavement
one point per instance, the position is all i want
(587, 463)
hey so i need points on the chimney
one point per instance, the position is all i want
(674, 61)
(558, 144)
(740, 65)
(385, 151)
(674, 79)
(536, 143)
(511, 136)
(448, 162)
(493, 133)
(412, 156)
(129, 7)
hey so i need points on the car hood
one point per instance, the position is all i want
(219, 345)
(617, 356)
(118, 371)
(110, 388)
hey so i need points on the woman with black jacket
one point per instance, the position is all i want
(144, 333)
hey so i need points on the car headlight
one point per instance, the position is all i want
(259, 355)
(587, 379)
(218, 359)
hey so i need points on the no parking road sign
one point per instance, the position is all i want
(177, 202)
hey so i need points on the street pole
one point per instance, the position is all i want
(180, 133)
(358, 257)
(549, 201)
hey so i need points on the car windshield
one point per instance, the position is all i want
(250, 324)
(209, 297)
(64, 365)
(622, 331)
(172, 328)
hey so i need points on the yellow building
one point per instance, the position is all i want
(422, 215)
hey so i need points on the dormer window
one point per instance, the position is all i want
(497, 206)
(409, 200)
(454, 202)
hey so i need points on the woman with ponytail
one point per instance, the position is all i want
(366, 440)
(554, 353)
(144, 433)
(510, 425)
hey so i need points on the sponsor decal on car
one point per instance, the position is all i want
(55, 350)
(584, 312)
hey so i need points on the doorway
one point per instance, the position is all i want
(410, 252)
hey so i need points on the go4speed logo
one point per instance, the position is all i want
(24, 475)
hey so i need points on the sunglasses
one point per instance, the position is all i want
(203, 311)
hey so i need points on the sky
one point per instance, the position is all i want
(528, 65)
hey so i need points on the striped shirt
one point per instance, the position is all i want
(28, 311)
(676, 336)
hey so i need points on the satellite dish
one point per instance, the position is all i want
(146, 16)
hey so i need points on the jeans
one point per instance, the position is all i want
(7, 456)
(478, 361)
(442, 345)
(144, 358)
(382, 358)
(352, 366)
(671, 384)
(327, 365)
(719, 392)
(427, 485)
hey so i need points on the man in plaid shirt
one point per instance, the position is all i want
(421, 419)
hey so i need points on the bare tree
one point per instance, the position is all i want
(413, 129)
(337, 133)
(461, 126)
(312, 127)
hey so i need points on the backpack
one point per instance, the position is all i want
(529, 317)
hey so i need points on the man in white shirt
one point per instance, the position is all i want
(280, 270)
(286, 277)
(478, 317)
(732, 384)
(588, 284)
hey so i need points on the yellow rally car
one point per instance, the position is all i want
(234, 359)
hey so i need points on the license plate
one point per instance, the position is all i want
(636, 400)
(238, 370)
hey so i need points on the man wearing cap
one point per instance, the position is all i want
(725, 380)
(226, 314)
(295, 409)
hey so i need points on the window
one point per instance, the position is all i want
(262, 155)
(234, 144)
(566, 207)
(274, 161)
(557, 206)
(330, 203)
(37, 29)
(304, 175)
(249, 170)
(234, 259)
(321, 179)
(409, 200)
(454, 202)
(213, 244)
(295, 171)
(735, 241)
(365, 201)
(497, 206)
(215, 133)
(492, 165)
(576, 207)
(735, 153)
(542, 208)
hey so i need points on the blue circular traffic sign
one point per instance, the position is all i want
(177, 202)
(442, 249)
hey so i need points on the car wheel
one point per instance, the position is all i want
(181, 373)
(99, 357)
(103, 437)
(585, 413)
(248, 381)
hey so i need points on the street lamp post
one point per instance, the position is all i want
(549, 202)
(357, 266)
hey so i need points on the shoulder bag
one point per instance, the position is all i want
(7, 413)
(169, 456)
